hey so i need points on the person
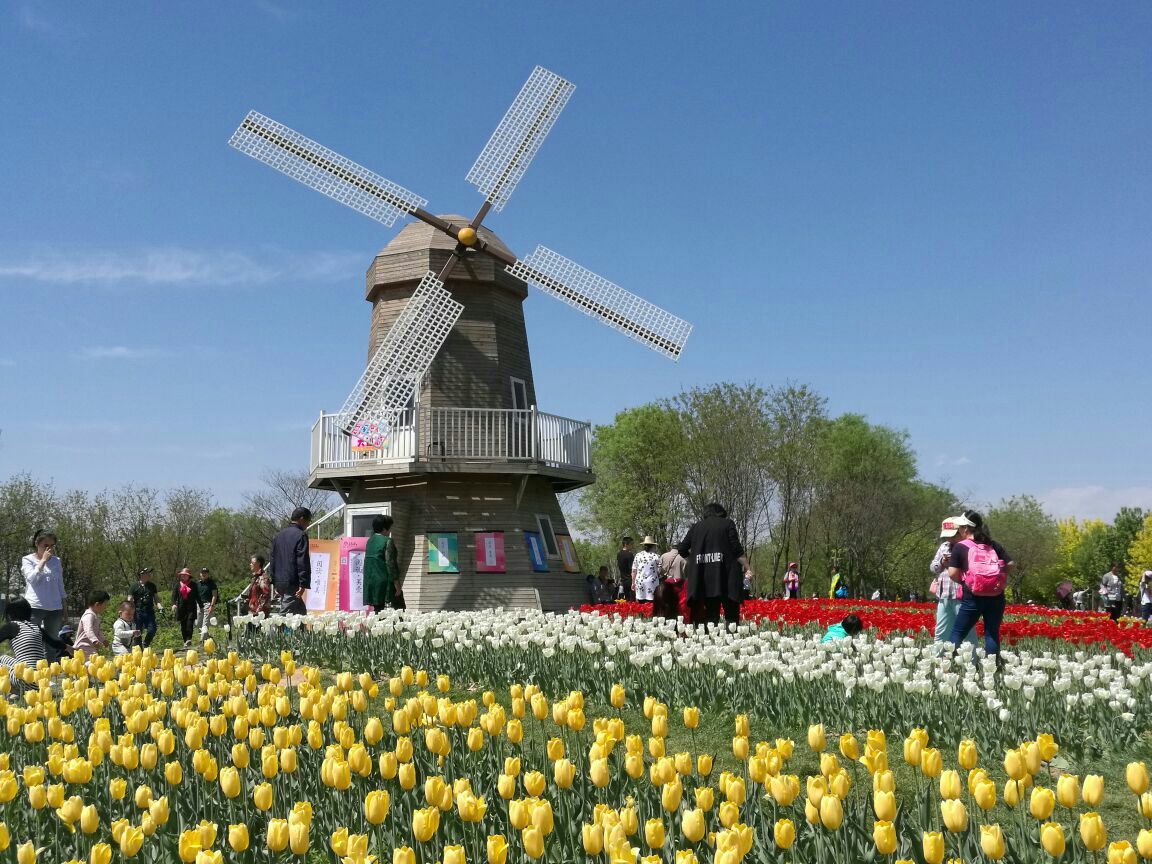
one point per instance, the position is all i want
(89, 638)
(291, 566)
(672, 565)
(982, 565)
(143, 597)
(209, 596)
(645, 571)
(846, 629)
(26, 640)
(44, 588)
(948, 593)
(624, 568)
(836, 588)
(716, 567)
(257, 594)
(792, 582)
(124, 630)
(381, 565)
(1112, 590)
(876, 594)
(185, 605)
(1078, 599)
(1144, 591)
(607, 586)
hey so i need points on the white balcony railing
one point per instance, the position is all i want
(453, 434)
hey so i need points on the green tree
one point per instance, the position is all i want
(1093, 556)
(728, 454)
(1125, 527)
(1032, 538)
(1139, 557)
(638, 460)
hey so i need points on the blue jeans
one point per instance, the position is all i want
(972, 609)
(946, 613)
(145, 622)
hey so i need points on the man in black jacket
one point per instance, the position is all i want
(291, 567)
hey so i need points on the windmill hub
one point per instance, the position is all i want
(467, 236)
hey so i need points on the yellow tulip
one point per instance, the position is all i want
(705, 798)
(985, 794)
(831, 812)
(188, 846)
(1047, 746)
(955, 815)
(1092, 831)
(1144, 844)
(262, 796)
(817, 788)
(884, 781)
(884, 837)
(404, 855)
(534, 783)
(654, 833)
(1136, 776)
(100, 853)
(1068, 790)
(839, 784)
(376, 806)
(829, 764)
(684, 856)
(816, 739)
(912, 750)
(660, 725)
(563, 773)
(230, 782)
(424, 823)
(849, 747)
(616, 696)
(533, 841)
(158, 810)
(930, 762)
(598, 772)
(629, 820)
(89, 819)
(966, 754)
(1031, 753)
(454, 854)
(173, 773)
(298, 837)
(1011, 793)
(406, 775)
(950, 784)
(932, 845)
(784, 833)
(1041, 803)
(1144, 805)
(496, 849)
(277, 837)
(238, 837)
(1121, 852)
(1052, 838)
(117, 788)
(782, 790)
(592, 836)
(26, 853)
(992, 841)
(729, 814)
(692, 825)
(1093, 790)
(131, 841)
(691, 718)
(884, 805)
(703, 765)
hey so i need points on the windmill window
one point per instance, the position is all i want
(519, 394)
(545, 524)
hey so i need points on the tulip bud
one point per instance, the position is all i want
(1144, 844)
(955, 815)
(692, 825)
(992, 842)
(816, 739)
(592, 836)
(1136, 776)
(884, 837)
(831, 812)
(1121, 852)
(1068, 790)
(1052, 838)
(950, 784)
(1093, 790)
(884, 805)
(238, 837)
(966, 755)
(849, 747)
(691, 718)
(533, 841)
(784, 833)
(1092, 830)
(932, 845)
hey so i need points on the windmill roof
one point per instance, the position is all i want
(419, 235)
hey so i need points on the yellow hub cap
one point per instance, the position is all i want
(467, 236)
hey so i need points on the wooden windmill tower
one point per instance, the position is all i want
(442, 428)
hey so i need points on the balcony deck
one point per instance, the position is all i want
(473, 440)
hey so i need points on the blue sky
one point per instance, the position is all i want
(935, 214)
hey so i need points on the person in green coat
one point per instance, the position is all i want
(846, 629)
(381, 565)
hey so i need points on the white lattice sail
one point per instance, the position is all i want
(324, 170)
(508, 153)
(606, 301)
(404, 355)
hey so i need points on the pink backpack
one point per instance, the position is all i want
(985, 576)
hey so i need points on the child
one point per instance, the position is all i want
(124, 631)
(846, 629)
(89, 638)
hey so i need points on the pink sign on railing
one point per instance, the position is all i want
(352, 573)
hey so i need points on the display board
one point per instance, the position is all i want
(443, 553)
(568, 553)
(536, 556)
(490, 552)
(352, 573)
(324, 555)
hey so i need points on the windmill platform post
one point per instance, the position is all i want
(472, 455)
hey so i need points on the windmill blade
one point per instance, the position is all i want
(606, 301)
(326, 171)
(404, 354)
(513, 145)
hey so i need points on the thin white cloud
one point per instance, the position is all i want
(1095, 502)
(952, 461)
(118, 352)
(176, 265)
(32, 20)
(82, 427)
(5, 363)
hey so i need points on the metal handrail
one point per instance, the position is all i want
(456, 434)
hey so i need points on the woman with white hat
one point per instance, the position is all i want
(646, 571)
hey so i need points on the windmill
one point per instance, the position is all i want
(413, 342)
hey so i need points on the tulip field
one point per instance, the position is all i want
(518, 736)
